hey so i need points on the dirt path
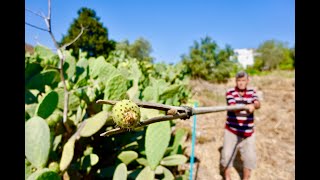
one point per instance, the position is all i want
(275, 128)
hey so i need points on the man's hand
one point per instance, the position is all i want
(250, 107)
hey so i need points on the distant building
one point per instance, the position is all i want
(245, 56)
(28, 48)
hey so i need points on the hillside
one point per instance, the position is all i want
(275, 128)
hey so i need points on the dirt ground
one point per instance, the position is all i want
(274, 126)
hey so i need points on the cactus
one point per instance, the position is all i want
(167, 173)
(43, 52)
(157, 140)
(120, 172)
(142, 161)
(54, 166)
(146, 174)
(94, 124)
(88, 161)
(69, 66)
(127, 156)
(37, 141)
(27, 169)
(100, 69)
(44, 174)
(116, 88)
(180, 133)
(54, 118)
(30, 109)
(74, 101)
(67, 153)
(150, 94)
(29, 97)
(56, 142)
(135, 74)
(49, 77)
(126, 114)
(174, 160)
(48, 104)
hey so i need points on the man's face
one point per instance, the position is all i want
(242, 82)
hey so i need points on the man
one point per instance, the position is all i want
(239, 129)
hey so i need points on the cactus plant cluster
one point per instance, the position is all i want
(74, 149)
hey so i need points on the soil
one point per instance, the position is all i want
(274, 128)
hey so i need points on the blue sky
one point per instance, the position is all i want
(171, 27)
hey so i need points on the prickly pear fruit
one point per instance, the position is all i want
(126, 114)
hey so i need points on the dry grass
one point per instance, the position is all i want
(275, 128)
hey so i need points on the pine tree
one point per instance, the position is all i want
(94, 39)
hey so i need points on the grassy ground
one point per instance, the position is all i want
(275, 128)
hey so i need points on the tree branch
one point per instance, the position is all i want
(42, 29)
(75, 39)
(38, 14)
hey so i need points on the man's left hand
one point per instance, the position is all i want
(250, 107)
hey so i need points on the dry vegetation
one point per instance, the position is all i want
(275, 128)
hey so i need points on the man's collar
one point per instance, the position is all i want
(238, 90)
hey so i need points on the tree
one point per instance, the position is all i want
(273, 54)
(94, 40)
(207, 61)
(140, 49)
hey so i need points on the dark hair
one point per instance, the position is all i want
(242, 74)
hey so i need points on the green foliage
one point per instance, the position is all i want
(166, 172)
(120, 172)
(67, 153)
(37, 141)
(273, 54)
(174, 160)
(146, 174)
(127, 156)
(66, 147)
(94, 124)
(44, 174)
(207, 61)
(178, 140)
(116, 88)
(48, 104)
(155, 149)
(46, 77)
(88, 161)
(140, 49)
(94, 39)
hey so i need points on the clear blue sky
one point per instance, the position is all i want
(171, 27)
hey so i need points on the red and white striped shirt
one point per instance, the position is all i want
(240, 123)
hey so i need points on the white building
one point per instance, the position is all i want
(245, 56)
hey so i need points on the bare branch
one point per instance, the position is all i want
(38, 14)
(75, 39)
(49, 9)
(42, 29)
(61, 57)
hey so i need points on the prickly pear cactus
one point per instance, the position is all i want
(126, 114)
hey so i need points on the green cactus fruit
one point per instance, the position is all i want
(126, 114)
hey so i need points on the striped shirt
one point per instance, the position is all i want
(240, 123)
